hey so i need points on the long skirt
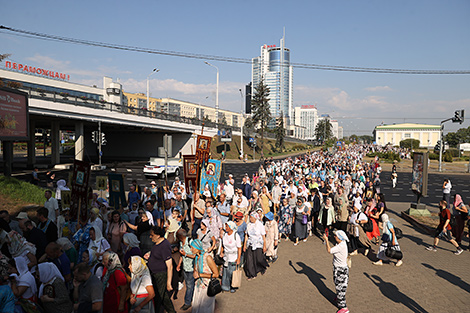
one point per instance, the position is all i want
(375, 230)
(148, 308)
(202, 303)
(300, 229)
(255, 262)
(341, 278)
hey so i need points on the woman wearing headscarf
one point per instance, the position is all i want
(143, 230)
(204, 269)
(95, 220)
(53, 291)
(69, 250)
(131, 243)
(23, 285)
(7, 298)
(114, 284)
(286, 214)
(61, 186)
(172, 229)
(300, 219)
(340, 267)
(231, 252)
(255, 247)
(141, 286)
(98, 243)
(19, 247)
(388, 240)
(205, 235)
(215, 223)
(116, 230)
(96, 267)
(326, 218)
(272, 237)
(356, 232)
(82, 238)
(187, 265)
(461, 215)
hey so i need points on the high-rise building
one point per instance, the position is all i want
(307, 117)
(273, 65)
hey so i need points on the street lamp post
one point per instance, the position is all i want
(148, 95)
(241, 123)
(216, 93)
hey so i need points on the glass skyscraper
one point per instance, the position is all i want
(274, 66)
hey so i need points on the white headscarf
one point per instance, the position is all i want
(22, 267)
(48, 272)
(139, 271)
(131, 240)
(61, 186)
(98, 237)
(65, 243)
(150, 217)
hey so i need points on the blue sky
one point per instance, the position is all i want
(386, 34)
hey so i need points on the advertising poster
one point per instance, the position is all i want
(117, 194)
(210, 176)
(190, 170)
(419, 178)
(14, 119)
(79, 197)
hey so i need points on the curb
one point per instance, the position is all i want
(416, 223)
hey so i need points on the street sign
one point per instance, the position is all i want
(225, 135)
(251, 139)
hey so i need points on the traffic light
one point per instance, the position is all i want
(437, 147)
(103, 140)
(459, 116)
(94, 136)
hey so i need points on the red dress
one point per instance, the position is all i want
(111, 295)
(375, 230)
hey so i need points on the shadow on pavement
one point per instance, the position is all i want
(451, 278)
(391, 291)
(316, 279)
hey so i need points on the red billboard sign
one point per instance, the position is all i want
(14, 119)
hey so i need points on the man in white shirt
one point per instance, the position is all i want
(229, 191)
(276, 193)
(52, 206)
(239, 194)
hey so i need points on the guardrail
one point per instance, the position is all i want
(114, 107)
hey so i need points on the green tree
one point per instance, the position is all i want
(460, 136)
(323, 130)
(260, 109)
(280, 132)
(248, 127)
(223, 122)
(366, 139)
(409, 143)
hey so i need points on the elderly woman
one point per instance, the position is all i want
(286, 214)
(98, 243)
(300, 219)
(141, 286)
(53, 292)
(389, 240)
(143, 230)
(357, 235)
(95, 219)
(96, 267)
(207, 238)
(117, 229)
(131, 243)
(265, 199)
(255, 202)
(20, 248)
(204, 269)
(255, 247)
(231, 251)
(326, 218)
(272, 237)
(69, 250)
(114, 284)
(340, 267)
(215, 223)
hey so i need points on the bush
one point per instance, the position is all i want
(453, 152)
(408, 142)
(385, 156)
(447, 157)
(434, 156)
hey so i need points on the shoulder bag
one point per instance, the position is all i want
(213, 288)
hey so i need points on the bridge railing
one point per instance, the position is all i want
(42, 94)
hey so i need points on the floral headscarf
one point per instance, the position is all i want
(113, 264)
(197, 244)
(18, 245)
(458, 200)
(139, 270)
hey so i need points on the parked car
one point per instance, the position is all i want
(156, 167)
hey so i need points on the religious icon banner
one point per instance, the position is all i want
(210, 176)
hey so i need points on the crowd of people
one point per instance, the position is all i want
(138, 258)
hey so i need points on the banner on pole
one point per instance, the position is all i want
(79, 198)
(117, 195)
(210, 176)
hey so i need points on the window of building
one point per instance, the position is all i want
(407, 135)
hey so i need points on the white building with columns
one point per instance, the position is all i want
(428, 135)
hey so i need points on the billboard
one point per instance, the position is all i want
(14, 118)
(419, 180)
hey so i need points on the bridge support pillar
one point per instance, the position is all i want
(79, 141)
(55, 143)
(7, 157)
(31, 145)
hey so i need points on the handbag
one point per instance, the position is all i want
(392, 253)
(304, 219)
(214, 286)
(218, 260)
(237, 277)
(398, 233)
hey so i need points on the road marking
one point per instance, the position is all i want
(129, 170)
(395, 195)
(410, 195)
(399, 188)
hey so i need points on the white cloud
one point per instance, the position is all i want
(378, 88)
